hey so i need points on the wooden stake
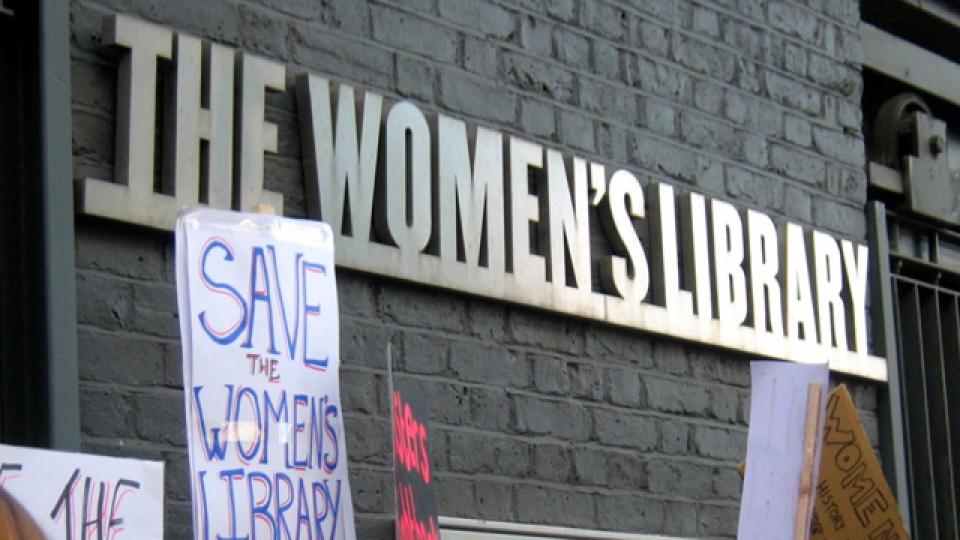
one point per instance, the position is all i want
(264, 209)
(810, 437)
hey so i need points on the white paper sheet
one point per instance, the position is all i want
(259, 320)
(775, 447)
(72, 496)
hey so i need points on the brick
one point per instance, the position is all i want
(490, 19)
(849, 221)
(488, 364)
(708, 97)
(839, 146)
(792, 20)
(723, 404)
(572, 48)
(668, 11)
(123, 252)
(710, 176)
(341, 56)
(364, 344)
(424, 353)
(617, 345)
(609, 101)
(538, 118)
(755, 149)
(676, 396)
(793, 94)
(559, 419)
(661, 117)
(654, 37)
(576, 130)
(727, 483)
(346, 15)
(670, 357)
(586, 381)
(416, 78)
(261, 33)
(550, 375)
(835, 75)
(455, 496)
(795, 59)
(797, 165)
(706, 22)
(763, 191)
(604, 19)
(159, 417)
(718, 520)
(668, 159)
(411, 33)
(624, 387)
(368, 440)
(674, 437)
(106, 412)
(554, 506)
(552, 333)
(798, 204)
(552, 463)
(629, 512)
(448, 403)
(480, 56)
(490, 408)
(104, 302)
(494, 500)
(702, 131)
(745, 38)
(719, 443)
(627, 471)
(536, 36)
(679, 518)
(422, 308)
(606, 60)
(473, 97)
(365, 391)
(368, 489)
(355, 294)
(797, 130)
(477, 453)
(121, 359)
(303, 9)
(155, 310)
(626, 430)
(589, 467)
(536, 76)
(703, 58)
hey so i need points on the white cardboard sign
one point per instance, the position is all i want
(775, 448)
(73, 496)
(259, 326)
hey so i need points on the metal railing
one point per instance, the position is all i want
(925, 274)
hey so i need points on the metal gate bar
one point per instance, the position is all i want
(928, 319)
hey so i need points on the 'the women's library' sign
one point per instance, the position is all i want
(425, 198)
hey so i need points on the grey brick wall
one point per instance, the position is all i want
(537, 417)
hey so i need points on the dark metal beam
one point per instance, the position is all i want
(58, 232)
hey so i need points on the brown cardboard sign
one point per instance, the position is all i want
(853, 500)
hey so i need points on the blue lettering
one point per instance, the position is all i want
(259, 262)
(227, 336)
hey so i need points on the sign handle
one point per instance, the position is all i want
(810, 437)
(265, 209)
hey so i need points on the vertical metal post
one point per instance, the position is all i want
(56, 166)
(892, 443)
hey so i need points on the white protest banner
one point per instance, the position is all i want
(783, 450)
(259, 325)
(71, 496)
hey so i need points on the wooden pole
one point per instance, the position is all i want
(810, 437)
